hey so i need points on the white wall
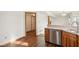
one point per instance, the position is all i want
(11, 25)
(42, 17)
(41, 22)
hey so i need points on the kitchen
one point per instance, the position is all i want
(57, 28)
(64, 33)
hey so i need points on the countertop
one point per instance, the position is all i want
(69, 29)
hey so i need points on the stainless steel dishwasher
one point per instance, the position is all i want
(55, 36)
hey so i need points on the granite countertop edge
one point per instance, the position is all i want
(63, 28)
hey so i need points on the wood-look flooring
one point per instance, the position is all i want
(31, 40)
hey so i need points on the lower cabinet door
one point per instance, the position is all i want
(73, 42)
(78, 43)
(64, 42)
(67, 42)
(78, 40)
(47, 35)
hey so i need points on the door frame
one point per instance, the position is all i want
(25, 21)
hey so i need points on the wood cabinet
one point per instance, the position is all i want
(78, 40)
(73, 40)
(69, 39)
(64, 39)
(47, 34)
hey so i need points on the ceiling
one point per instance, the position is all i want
(61, 13)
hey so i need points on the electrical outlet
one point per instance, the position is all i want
(5, 37)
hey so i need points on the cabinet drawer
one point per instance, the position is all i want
(46, 31)
(64, 33)
(72, 35)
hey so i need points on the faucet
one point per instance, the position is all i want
(74, 27)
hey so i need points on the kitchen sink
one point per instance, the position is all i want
(74, 30)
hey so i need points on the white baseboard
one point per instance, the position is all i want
(4, 42)
(9, 41)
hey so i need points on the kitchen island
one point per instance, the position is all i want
(64, 36)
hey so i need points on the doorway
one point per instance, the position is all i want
(30, 23)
